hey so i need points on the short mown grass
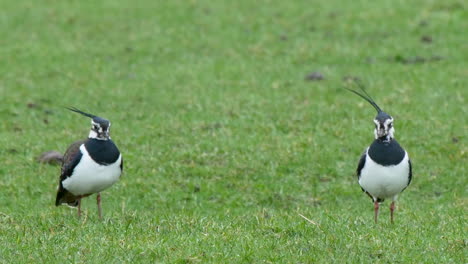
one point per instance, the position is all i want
(226, 144)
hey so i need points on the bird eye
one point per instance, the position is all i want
(390, 125)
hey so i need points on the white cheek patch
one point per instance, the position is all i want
(388, 121)
(388, 129)
(386, 126)
(390, 132)
(376, 123)
(92, 134)
(377, 127)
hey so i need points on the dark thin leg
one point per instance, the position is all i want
(376, 209)
(98, 199)
(392, 208)
(79, 207)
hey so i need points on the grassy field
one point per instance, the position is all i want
(226, 142)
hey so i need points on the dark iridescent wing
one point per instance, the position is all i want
(71, 158)
(410, 175)
(361, 164)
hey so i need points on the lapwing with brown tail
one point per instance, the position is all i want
(384, 169)
(89, 166)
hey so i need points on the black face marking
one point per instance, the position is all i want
(101, 129)
(383, 126)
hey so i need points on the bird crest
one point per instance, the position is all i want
(383, 121)
(74, 109)
(100, 126)
(365, 96)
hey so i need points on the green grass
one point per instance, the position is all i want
(225, 143)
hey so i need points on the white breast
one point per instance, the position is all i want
(90, 177)
(384, 181)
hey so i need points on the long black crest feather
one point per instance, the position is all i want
(74, 109)
(365, 96)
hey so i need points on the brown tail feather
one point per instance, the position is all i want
(64, 196)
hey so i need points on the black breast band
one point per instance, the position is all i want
(103, 152)
(386, 153)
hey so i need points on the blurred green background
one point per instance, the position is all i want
(233, 121)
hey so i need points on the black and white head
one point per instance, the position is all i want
(383, 122)
(100, 127)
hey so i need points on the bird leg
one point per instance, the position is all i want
(376, 209)
(392, 208)
(98, 199)
(79, 207)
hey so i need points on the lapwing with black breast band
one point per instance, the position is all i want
(89, 166)
(384, 169)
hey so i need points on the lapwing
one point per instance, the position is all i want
(89, 166)
(384, 169)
